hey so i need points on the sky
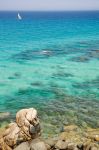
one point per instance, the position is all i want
(49, 5)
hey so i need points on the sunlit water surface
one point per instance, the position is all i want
(50, 61)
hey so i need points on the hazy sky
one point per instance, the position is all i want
(49, 4)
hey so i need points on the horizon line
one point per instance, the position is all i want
(52, 10)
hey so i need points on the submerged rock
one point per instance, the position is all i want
(24, 134)
(36, 84)
(94, 54)
(81, 59)
(16, 75)
(61, 74)
(4, 115)
(70, 128)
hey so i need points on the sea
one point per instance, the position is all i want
(50, 61)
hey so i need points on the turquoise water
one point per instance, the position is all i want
(50, 61)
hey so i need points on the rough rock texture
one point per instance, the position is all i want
(28, 122)
(25, 128)
(24, 134)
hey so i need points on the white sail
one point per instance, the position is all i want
(19, 17)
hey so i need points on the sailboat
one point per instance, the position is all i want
(19, 17)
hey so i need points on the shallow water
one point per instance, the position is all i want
(51, 61)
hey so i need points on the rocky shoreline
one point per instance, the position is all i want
(26, 134)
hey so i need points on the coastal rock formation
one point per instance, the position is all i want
(24, 134)
(25, 128)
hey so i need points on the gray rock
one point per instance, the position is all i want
(23, 146)
(32, 130)
(35, 130)
(38, 146)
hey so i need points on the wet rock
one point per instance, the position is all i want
(36, 84)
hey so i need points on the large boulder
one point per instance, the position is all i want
(25, 128)
(28, 121)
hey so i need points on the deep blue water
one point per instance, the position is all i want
(50, 60)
